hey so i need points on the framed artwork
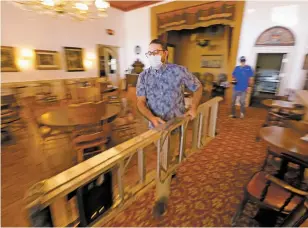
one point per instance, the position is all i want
(8, 59)
(211, 61)
(74, 59)
(47, 60)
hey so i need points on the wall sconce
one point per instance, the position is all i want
(90, 57)
(26, 58)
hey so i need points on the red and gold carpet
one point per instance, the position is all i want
(209, 183)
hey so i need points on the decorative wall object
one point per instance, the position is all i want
(8, 59)
(206, 14)
(138, 67)
(137, 50)
(110, 32)
(211, 61)
(47, 60)
(74, 59)
(276, 36)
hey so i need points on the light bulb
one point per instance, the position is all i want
(26, 53)
(88, 63)
(81, 6)
(101, 4)
(48, 2)
(23, 63)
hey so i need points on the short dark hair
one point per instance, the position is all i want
(158, 41)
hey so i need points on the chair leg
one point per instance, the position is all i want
(239, 210)
(265, 161)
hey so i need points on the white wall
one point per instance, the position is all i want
(259, 16)
(137, 32)
(23, 29)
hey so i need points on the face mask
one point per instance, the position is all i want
(155, 61)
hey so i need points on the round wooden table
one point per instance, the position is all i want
(284, 139)
(278, 104)
(60, 117)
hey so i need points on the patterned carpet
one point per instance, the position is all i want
(209, 183)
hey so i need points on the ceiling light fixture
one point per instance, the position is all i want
(80, 10)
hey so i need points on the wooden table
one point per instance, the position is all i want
(60, 117)
(278, 104)
(302, 97)
(284, 139)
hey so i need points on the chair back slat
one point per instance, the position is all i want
(85, 113)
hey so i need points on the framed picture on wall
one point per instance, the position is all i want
(8, 59)
(211, 61)
(47, 60)
(74, 59)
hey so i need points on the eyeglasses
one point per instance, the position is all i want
(150, 53)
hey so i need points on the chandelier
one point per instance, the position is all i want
(80, 10)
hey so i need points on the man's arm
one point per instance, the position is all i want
(193, 84)
(251, 78)
(197, 95)
(234, 74)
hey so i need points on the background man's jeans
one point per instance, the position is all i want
(242, 95)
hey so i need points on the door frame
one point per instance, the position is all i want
(115, 51)
(285, 75)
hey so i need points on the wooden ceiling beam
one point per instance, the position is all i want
(130, 5)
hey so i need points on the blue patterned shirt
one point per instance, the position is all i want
(164, 91)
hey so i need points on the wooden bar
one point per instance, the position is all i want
(120, 173)
(213, 120)
(200, 129)
(59, 212)
(141, 166)
(205, 124)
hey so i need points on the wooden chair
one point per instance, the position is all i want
(69, 88)
(44, 93)
(274, 193)
(92, 143)
(125, 124)
(87, 94)
(89, 136)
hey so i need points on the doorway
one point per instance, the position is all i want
(267, 77)
(108, 63)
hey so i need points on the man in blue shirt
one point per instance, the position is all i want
(242, 77)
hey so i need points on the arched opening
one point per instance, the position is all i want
(273, 48)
